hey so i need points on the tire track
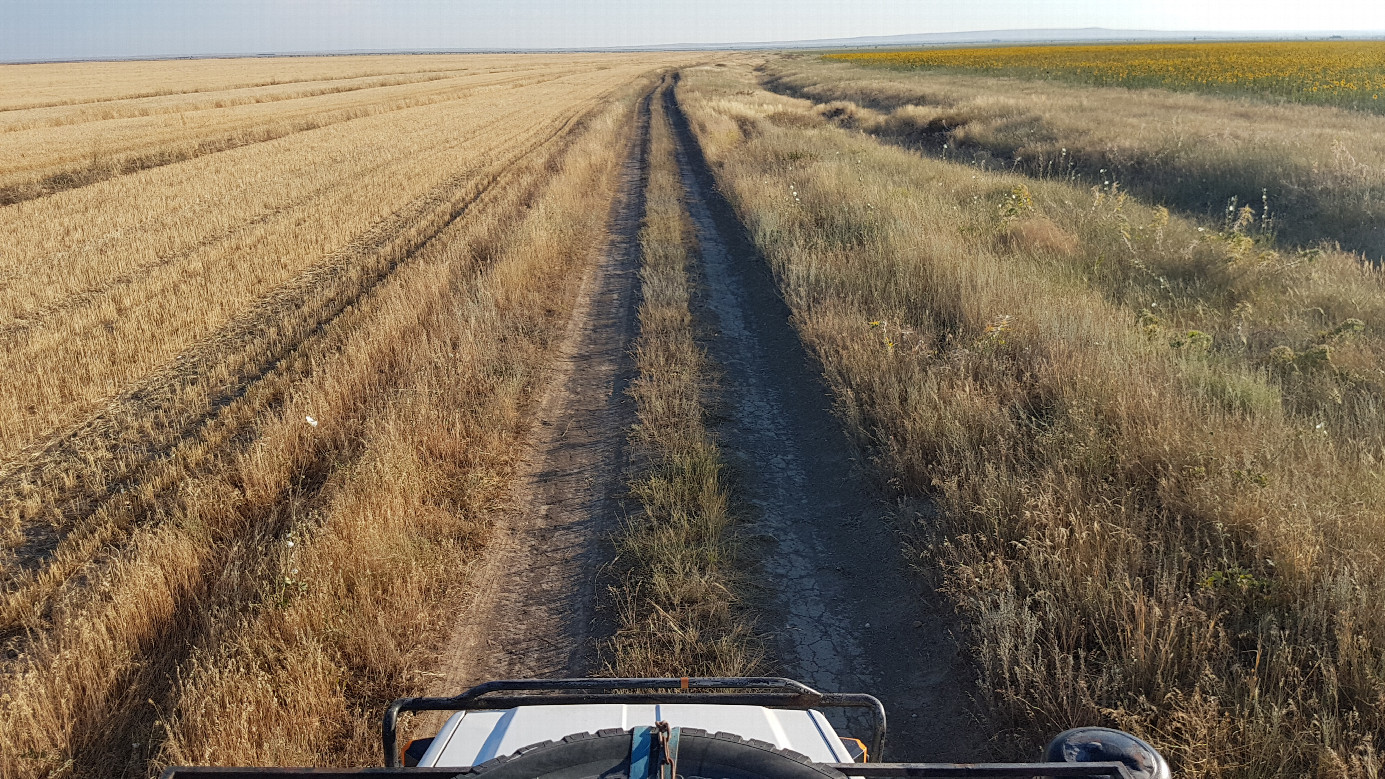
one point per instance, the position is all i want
(214, 101)
(152, 220)
(848, 615)
(533, 613)
(222, 88)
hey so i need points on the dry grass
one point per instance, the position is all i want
(1320, 170)
(402, 286)
(679, 598)
(1156, 447)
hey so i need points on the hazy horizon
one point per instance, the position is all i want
(91, 29)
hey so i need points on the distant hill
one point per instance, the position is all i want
(970, 38)
(985, 37)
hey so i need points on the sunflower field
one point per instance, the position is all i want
(1350, 74)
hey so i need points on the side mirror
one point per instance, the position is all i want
(1098, 745)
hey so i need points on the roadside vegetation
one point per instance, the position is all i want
(679, 598)
(284, 416)
(1347, 74)
(1314, 175)
(1155, 443)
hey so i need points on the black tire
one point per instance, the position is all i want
(606, 755)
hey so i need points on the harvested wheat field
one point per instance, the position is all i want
(268, 342)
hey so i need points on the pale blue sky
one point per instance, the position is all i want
(49, 29)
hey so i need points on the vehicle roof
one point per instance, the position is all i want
(473, 737)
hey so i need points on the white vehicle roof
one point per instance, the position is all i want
(473, 737)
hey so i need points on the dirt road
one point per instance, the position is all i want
(846, 615)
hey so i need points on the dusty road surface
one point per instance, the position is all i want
(533, 613)
(848, 616)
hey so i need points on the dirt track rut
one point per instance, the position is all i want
(534, 604)
(848, 615)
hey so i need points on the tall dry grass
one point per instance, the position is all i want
(241, 585)
(1320, 170)
(1155, 447)
(390, 547)
(680, 597)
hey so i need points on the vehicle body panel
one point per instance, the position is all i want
(473, 737)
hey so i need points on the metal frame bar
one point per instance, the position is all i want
(868, 770)
(769, 691)
(978, 770)
(195, 772)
